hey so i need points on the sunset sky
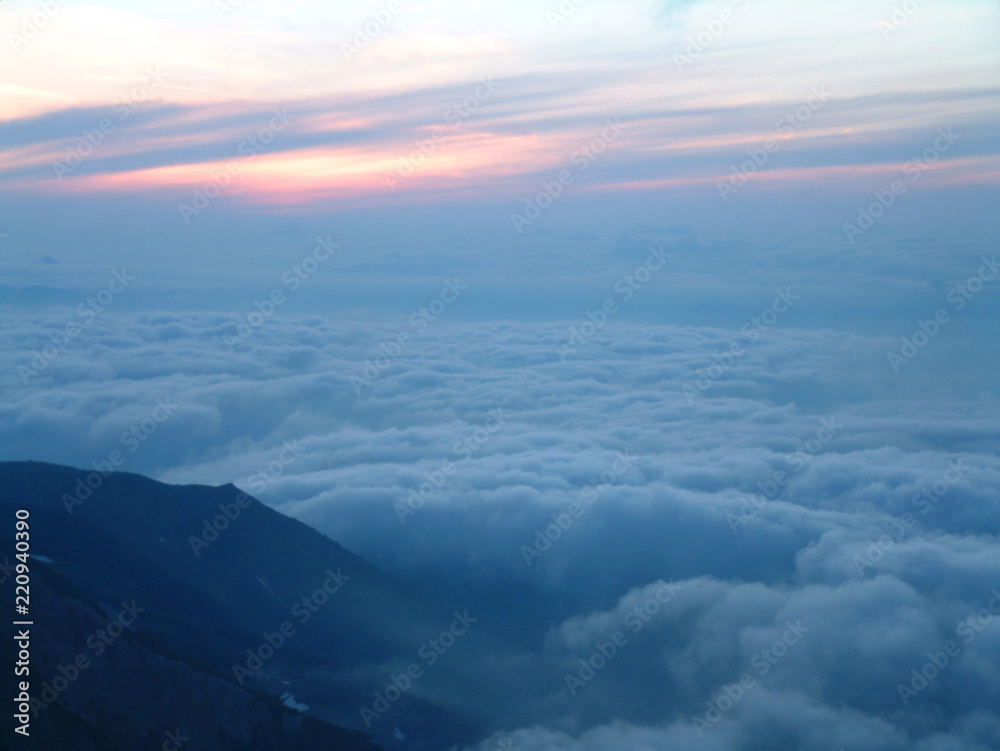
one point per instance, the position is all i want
(502, 100)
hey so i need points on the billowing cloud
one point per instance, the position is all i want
(757, 551)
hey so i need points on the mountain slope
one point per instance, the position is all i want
(227, 605)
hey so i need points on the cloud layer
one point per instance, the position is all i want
(809, 523)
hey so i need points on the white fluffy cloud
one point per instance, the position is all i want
(601, 472)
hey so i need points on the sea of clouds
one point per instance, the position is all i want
(674, 535)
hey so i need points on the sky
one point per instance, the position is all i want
(393, 127)
(724, 274)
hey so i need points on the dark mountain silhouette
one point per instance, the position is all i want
(161, 590)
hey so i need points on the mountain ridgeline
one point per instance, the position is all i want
(198, 618)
